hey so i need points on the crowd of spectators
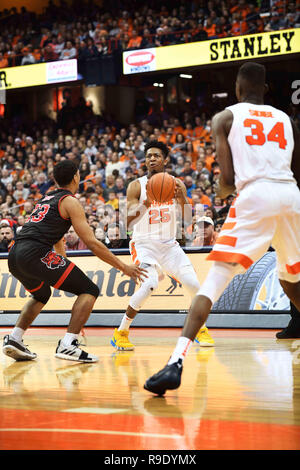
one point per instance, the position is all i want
(86, 30)
(109, 157)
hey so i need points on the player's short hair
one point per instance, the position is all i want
(64, 172)
(158, 145)
(254, 73)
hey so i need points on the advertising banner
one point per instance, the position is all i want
(38, 74)
(257, 289)
(214, 51)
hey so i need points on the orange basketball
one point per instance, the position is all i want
(161, 187)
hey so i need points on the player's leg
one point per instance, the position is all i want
(120, 339)
(13, 345)
(244, 240)
(76, 282)
(216, 282)
(287, 245)
(292, 290)
(178, 265)
(146, 257)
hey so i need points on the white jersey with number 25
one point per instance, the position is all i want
(158, 222)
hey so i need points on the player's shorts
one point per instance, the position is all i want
(38, 267)
(166, 256)
(264, 214)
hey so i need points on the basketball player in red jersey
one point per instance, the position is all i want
(34, 262)
(258, 150)
(154, 246)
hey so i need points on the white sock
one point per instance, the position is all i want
(125, 323)
(68, 338)
(17, 333)
(182, 348)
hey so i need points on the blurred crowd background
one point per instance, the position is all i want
(110, 154)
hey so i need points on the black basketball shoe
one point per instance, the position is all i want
(169, 378)
(291, 331)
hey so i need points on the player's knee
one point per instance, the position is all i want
(291, 289)
(42, 295)
(189, 279)
(92, 289)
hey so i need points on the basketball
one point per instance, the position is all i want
(161, 187)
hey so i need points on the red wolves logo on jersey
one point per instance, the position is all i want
(53, 261)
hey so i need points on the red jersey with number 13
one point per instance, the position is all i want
(261, 141)
(45, 224)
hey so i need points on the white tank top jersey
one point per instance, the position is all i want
(158, 223)
(262, 142)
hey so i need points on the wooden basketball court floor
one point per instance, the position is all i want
(243, 394)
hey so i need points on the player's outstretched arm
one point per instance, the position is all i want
(72, 209)
(221, 125)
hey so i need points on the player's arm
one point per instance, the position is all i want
(182, 200)
(221, 125)
(135, 208)
(295, 165)
(59, 247)
(71, 208)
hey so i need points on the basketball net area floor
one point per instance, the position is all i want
(244, 393)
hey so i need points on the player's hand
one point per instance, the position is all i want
(136, 273)
(147, 201)
(179, 191)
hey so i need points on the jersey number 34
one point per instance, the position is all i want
(258, 136)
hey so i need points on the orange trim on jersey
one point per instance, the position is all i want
(230, 258)
(37, 288)
(232, 212)
(226, 240)
(228, 225)
(59, 202)
(64, 276)
(134, 253)
(293, 268)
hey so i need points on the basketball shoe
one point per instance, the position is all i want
(203, 338)
(120, 340)
(291, 331)
(74, 352)
(16, 349)
(169, 378)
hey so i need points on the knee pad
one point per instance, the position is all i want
(147, 287)
(218, 278)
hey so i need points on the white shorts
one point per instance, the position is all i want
(168, 256)
(264, 214)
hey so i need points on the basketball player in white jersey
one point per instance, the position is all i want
(258, 150)
(154, 246)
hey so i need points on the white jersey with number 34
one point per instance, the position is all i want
(261, 141)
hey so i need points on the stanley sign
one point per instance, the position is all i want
(214, 51)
